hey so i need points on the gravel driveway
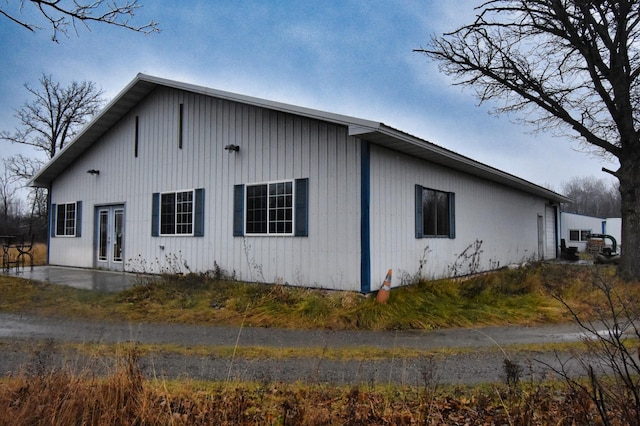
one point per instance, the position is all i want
(473, 355)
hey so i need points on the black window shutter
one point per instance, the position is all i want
(452, 215)
(155, 215)
(54, 213)
(79, 219)
(301, 213)
(198, 219)
(238, 210)
(419, 213)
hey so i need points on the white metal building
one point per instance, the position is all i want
(171, 172)
(574, 229)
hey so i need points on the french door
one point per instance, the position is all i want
(110, 237)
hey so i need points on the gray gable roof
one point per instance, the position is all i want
(372, 131)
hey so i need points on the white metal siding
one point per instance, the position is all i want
(277, 146)
(613, 227)
(273, 146)
(502, 219)
(569, 221)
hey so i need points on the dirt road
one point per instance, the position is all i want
(472, 355)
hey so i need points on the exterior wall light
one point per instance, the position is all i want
(232, 147)
(93, 172)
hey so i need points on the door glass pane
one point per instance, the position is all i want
(103, 236)
(118, 221)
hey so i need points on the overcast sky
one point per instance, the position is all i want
(347, 57)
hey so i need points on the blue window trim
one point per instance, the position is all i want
(301, 208)
(155, 214)
(78, 218)
(53, 212)
(198, 213)
(238, 210)
(419, 214)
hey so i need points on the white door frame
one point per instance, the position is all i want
(541, 237)
(109, 237)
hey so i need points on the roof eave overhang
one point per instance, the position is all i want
(139, 88)
(399, 141)
(100, 124)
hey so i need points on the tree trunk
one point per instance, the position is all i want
(629, 176)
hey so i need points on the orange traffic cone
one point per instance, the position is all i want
(383, 293)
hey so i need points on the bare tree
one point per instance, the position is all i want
(592, 197)
(55, 114)
(47, 123)
(8, 190)
(21, 168)
(61, 15)
(566, 66)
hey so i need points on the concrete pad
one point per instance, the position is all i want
(88, 279)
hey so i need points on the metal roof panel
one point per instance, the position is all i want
(372, 131)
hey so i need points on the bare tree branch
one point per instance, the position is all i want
(61, 15)
(21, 167)
(568, 59)
(30, 27)
(55, 114)
(570, 67)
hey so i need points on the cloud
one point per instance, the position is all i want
(349, 57)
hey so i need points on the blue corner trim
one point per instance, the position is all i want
(365, 224)
(49, 216)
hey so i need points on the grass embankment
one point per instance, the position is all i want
(522, 296)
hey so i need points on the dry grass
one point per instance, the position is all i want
(124, 397)
(39, 252)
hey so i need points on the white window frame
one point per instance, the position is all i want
(291, 207)
(66, 212)
(176, 214)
